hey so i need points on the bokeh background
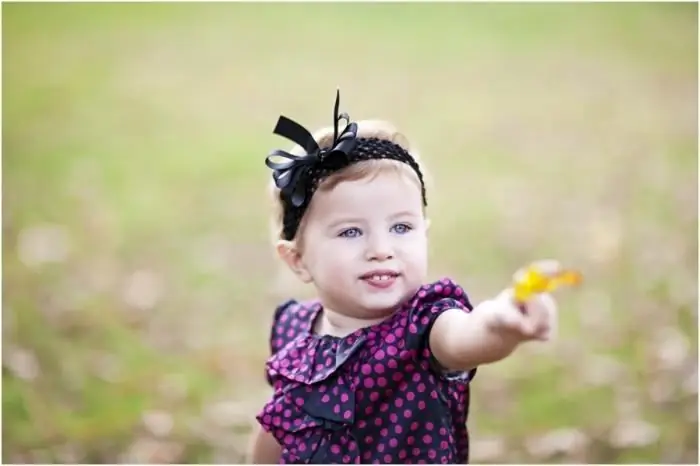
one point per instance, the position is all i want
(138, 276)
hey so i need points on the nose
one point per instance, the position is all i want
(379, 248)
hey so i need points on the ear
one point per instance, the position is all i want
(290, 255)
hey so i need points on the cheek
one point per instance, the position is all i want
(330, 257)
(416, 254)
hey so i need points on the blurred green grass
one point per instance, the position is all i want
(137, 274)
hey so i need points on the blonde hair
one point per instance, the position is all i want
(378, 129)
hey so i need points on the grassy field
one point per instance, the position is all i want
(138, 276)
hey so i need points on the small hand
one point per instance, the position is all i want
(527, 311)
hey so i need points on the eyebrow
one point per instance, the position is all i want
(403, 213)
(340, 221)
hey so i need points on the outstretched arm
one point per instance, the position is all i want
(461, 341)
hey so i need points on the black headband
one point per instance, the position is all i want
(297, 177)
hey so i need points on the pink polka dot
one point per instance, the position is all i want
(398, 402)
(416, 377)
(381, 381)
(421, 405)
(432, 454)
(427, 439)
(393, 418)
(420, 387)
(344, 397)
(378, 422)
(398, 429)
(387, 459)
(410, 396)
(369, 383)
(325, 399)
(335, 449)
(302, 447)
(336, 409)
(429, 426)
(393, 443)
(374, 396)
(366, 369)
(403, 454)
(379, 355)
(390, 338)
(380, 447)
(407, 413)
(384, 432)
(369, 439)
(438, 288)
(414, 426)
(416, 451)
(347, 414)
(392, 350)
(422, 294)
(379, 368)
(410, 440)
(413, 329)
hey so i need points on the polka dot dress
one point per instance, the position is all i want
(374, 396)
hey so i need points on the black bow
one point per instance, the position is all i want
(292, 175)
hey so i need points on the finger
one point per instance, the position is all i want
(508, 296)
(544, 312)
(516, 319)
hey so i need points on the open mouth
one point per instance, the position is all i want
(380, 278)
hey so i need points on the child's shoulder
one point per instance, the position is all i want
(443, 291)
(294, 310)
(291, 319)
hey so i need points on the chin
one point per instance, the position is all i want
(381, 308)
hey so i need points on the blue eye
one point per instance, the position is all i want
(350, 233)
(401, 228)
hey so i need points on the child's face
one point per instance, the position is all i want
(365, 244)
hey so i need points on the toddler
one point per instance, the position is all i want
(377, 369)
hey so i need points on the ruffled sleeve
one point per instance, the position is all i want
(287, 322)
(430, 302)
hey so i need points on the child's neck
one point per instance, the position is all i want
(339, 325)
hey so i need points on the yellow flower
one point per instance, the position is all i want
(535, 281)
